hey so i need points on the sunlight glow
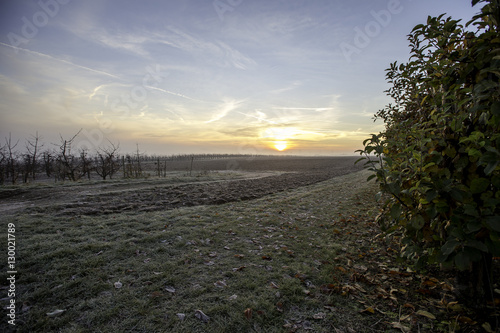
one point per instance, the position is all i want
(280, 145)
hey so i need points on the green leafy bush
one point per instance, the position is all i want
(439, 157)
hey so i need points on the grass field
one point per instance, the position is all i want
(309, 259)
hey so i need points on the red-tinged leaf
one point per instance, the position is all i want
(279, 306)
(301, 277)
(424, 291)
(239, 268)
(342, 269)
(239, 256)
(409, 306)
(267, 258)
(328, 288)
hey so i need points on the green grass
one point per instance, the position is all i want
(273, 253)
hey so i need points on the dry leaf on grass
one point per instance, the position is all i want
(201, 316)
(55, 313)
(425, 314)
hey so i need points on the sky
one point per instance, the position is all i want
(301, 77)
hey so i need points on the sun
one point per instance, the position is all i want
(280, 145)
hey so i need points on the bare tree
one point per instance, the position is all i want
(33, 146)
(107, 161)
(86, 163)
(67, 164)
(13, 169)
(3, 163)
(48, 162)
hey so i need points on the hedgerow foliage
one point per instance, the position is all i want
(438, 157)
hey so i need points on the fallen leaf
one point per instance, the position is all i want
(181, 316)
(26, 306)
(320, 315)
(274, 285)
(369, 310)
(239, 268)
(55, 313)
(201, 316)
(220, 284)
(279, 306)
(248, 313)
(307, 325)
(118, 285)
(170, 289)
(401, 327)
(239, 256)
(267, 258)
(408, 305)
(425, 314)
(233, 297)
(487, 327)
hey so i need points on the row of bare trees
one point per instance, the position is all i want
(64, 160)
(61, 162)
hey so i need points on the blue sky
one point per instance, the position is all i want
(223, 76)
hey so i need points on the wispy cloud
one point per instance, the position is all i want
(226, 107)
(172, 93)
(61, 61)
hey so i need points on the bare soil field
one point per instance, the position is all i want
(211, 182)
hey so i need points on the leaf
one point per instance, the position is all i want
(425, 314)
(479, 185)
(181, 316)
(170, 289)
(248, 313)
(220, 284)
(449, 247)
(493, 222)
(233, 297)
(201, 316)
(368, 310)
(319, 316)
(400, 326)
(55, 313)
(487, 327)
(118, 285)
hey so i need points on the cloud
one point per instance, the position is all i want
(61, 61)
(226, 107)
(171, 93)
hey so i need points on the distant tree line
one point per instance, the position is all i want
(62, 161)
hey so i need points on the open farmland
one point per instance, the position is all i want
(265, 245)
(204, 182)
